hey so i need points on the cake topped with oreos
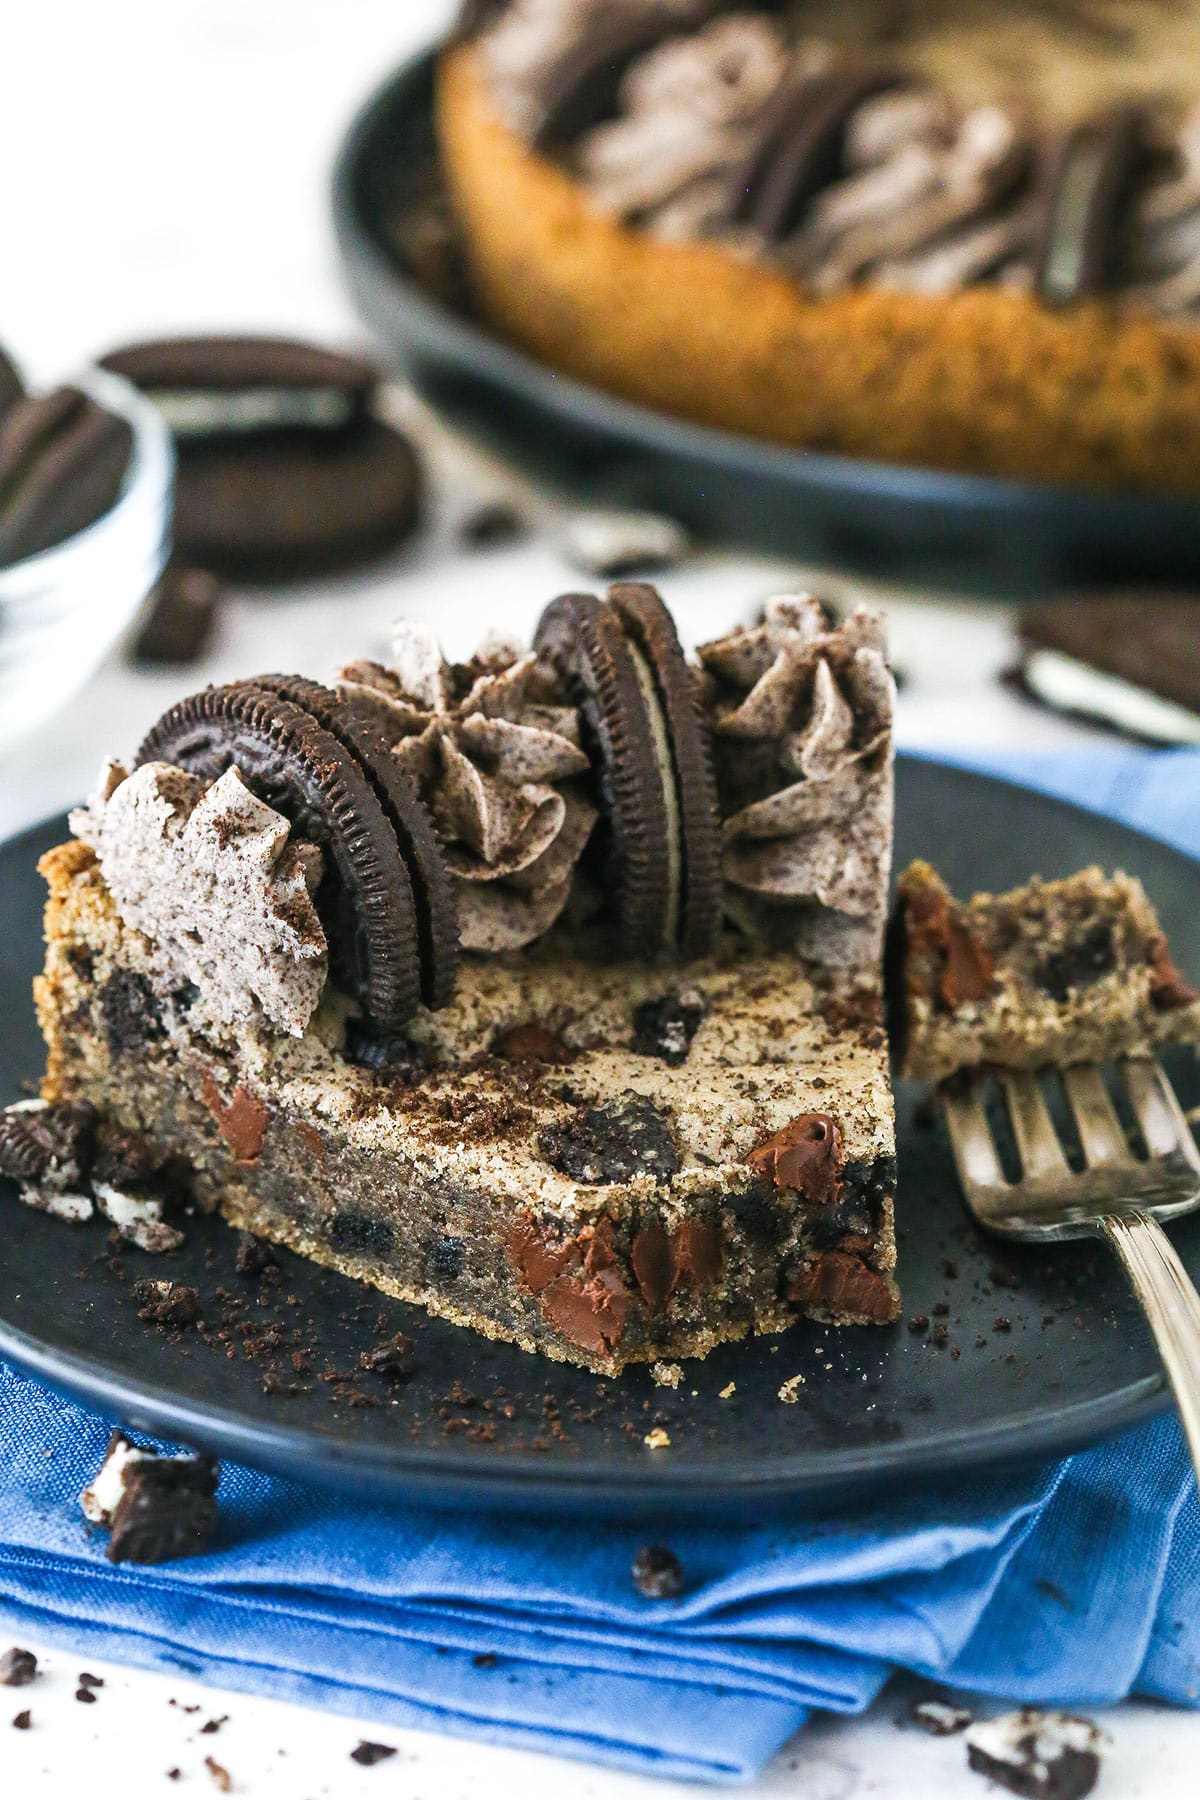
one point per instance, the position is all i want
(541, 990)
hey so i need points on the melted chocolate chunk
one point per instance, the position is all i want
(614, 1142)
(665, 1027)
(1086, 959)
(805, 1156)
(132, 1014)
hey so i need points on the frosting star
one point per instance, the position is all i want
(801, 722)
(210, 875)
(495, 755)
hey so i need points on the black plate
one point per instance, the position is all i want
(909, 525)
(484, 1423)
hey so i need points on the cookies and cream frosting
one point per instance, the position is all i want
(495, 754)
(212, 875)
(921, 183)
(801, 718)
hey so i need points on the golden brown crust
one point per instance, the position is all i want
(986, 381)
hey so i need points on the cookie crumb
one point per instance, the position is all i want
(728, 1391)
(17, 1667)
(369, 1754)
(222, 1779)
(657, 1439)
(789, 1393)
(939, 1718)
(1041, 1755)
(668, 1375)
(23, 1721)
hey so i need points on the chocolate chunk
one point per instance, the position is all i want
(589, 1310)
(1087, 958)
(657, 1573)
(652, 1258)
(242, 1119)
(1130, 662)
(366, 895)
(17, 1667)
(167, 1303)
(436, 911)
(969, 972)
(623, 666)
(1090, 192)
(699, 1253)
(395, 1360)
(806, 1156)
(50, 1146)
(132, 1014)
(167, 1509)
(368, 1754)
(281, 468)
(531, 1042)
(665, 1027)
(1041, 1755)
(179, 617)
(580, 88)
(62, 463)
(843, 1286)
(445, 1258)
(614, 1142)
(360, 1233)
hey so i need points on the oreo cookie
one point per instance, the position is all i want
(365, 900)
(624, 667)
(282, 468)
(1090, 189)
(799, 149)
(580, 88)
(1130, 662)
(180, 616)
(62, 462)
(436, 914)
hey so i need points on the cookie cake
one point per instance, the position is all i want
(964, 234)
(543, 991)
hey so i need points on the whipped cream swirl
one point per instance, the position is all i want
(211, 875)
(801, 717)
(495, 753)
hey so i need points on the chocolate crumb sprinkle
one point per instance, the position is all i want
(17, 1668)
(23, 1721)
(368, 1754)
(657, 1573)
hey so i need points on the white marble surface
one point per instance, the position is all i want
(167, 170)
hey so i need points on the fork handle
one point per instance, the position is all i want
(1171, 1305)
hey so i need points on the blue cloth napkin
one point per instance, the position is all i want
(1078, 1583)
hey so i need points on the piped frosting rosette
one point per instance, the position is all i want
(801, 720)
(495, 754)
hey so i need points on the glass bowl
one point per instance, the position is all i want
(63, 610)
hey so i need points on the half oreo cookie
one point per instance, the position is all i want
(625, 669)
(316, 779)
(1130, 662)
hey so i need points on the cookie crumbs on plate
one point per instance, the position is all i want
(789, 1393)
(728, 1391)
(657, 1439)
(668, 1375)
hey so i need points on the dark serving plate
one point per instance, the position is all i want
(910, 525)
(1045, 1351)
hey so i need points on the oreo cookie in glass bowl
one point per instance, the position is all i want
(85, 504)
(285, 468)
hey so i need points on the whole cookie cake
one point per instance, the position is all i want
(964, 235)
(542, 990)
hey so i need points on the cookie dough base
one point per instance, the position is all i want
(1074, 977)
(433, 1186)
(984, 381)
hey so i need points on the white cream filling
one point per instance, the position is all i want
(195, 413)
(1074, 687)
(665, 764)
(101, 1499)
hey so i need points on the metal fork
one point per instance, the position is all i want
(1119, 1196)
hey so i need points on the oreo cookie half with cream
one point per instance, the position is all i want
(1130, 662)
(282, 467)
(625, 669)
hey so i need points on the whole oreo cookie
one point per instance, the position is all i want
(62, 462)
(310, 776)
(282, 469)
(624, 667)
(436, 914)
